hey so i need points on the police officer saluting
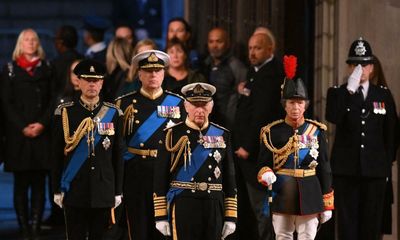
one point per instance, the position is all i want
(194, 174)
(87, 151)
(146, 113)
(293, 153)
(362, 154)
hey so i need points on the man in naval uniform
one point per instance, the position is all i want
(364, 147)
(87, 153)
(194, 174)
(146, 113)
(293, 159)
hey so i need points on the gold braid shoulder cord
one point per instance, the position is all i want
(280, 155)
(129, 117)
(183, 145)
(85, 127)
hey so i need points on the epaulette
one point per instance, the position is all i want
(268, 127)
(61, 106)
(176, 124)
(320, 125)
(174, 94)
(120, 113)
(220, 126)
(125, 95)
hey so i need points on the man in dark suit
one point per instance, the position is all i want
(88, 171)
(365, 117)
(93, 37)
(258, 104)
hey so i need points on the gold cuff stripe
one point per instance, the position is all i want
(230, 213)
(160, 212)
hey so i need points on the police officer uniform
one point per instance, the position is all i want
(362, 152)
(87, 154)
(297, 155)
(145, 117)
(194, 184)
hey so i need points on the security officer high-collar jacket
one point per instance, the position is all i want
(99, 178)
(365, 130)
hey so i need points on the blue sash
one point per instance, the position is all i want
(199, 156)
(80, 154)
(149, 127)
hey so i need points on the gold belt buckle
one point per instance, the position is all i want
(298, 173)
(202, 186)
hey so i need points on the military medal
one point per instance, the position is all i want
(217, 156)
(217, 172)
(106, 128)
(314, 153)
(214, 142)
(106, 143)
(313, 164)
(168, 111)
(379, 108)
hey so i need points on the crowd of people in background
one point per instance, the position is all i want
(247, 96)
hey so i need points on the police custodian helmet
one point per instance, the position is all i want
(360, 52)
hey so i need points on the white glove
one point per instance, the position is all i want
(268, 178)
(58, 199)
(163, 227)
(118, 200)
(325, 216)
(354, 79)
(228, 229)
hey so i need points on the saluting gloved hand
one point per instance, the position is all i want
(118, 200)
(325, 216)
(163, 227)
(58, 199)
(354, 79)
(228, 229)
(268, 178)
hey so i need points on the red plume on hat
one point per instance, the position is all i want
(290, 65)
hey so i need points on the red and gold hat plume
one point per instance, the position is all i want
(290, 66)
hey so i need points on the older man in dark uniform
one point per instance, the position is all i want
(294, 160)
(195, 174)
(363, 150)
(147, 112)
(87, 151)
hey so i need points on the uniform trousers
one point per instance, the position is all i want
(86, 223)
(196, 219)
(359, 206)
(284, 225)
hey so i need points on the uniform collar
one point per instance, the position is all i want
(293, 124)
(151, 96)
(89, 106)
(194, 125)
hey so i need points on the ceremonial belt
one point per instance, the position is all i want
(199, 186)
(143, 152)
(149, 126)
(300, 173)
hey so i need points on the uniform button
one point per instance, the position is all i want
(209, 166)
(362, 145)
(187, 131)
(363, 110)
(210, 154)
(160, 142)
(192, 179)
(92, 168)
(363, 134)
(91, 113)
(137, 121)
(363, 122)
(141, 144)
(208, 191)
(251, 79)
(193, 191)
(143, 156)
(348, 109)
(135, 111)
(209, 179)
(134, 100)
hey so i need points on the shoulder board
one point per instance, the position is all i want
(219, 126)
(61, 106)
(174, 94)
(125, 95)
(114, 106)
(269, 126)
(320, 125)
(176, 124)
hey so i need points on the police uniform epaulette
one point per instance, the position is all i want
(269, 126)
(176, 124)
(220, 126)
(320, 125)
(174, 94)
(61, 106)
(114, 106)
(125, 95)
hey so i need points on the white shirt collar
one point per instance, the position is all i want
(257, 68)
(97, 47)
(365, 86)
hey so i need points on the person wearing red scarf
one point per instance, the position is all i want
(26, 97)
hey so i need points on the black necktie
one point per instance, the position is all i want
(360, 93)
